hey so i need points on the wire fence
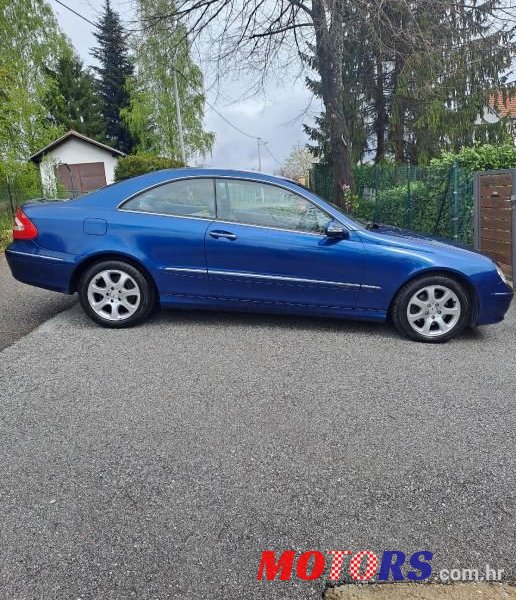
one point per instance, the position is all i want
(13, 193)
(430, 200)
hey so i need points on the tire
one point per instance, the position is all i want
(116, 294)
(431, 309)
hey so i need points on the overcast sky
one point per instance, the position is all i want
(278, 119)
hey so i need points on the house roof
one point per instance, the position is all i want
(504, 109)
(37, 157)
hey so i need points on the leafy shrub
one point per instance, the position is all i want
(434, 199)
(139, 164)
(400, 206)
(23, 180)
(18, 182)
(479, 158)
(6, 223)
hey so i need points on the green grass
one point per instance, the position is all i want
(6, 225)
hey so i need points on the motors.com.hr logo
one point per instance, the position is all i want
(362, 565)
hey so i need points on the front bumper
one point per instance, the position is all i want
(494, 306)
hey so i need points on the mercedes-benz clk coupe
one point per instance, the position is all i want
(220, 239)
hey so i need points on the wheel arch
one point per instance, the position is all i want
(102, 256)
(458, 276)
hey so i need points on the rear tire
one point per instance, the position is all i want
(431, 309)
(116, 294)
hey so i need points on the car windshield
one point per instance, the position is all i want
(354, 219)
(361, 223)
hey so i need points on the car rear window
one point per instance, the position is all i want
(184, 198)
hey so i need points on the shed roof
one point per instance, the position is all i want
(38, 156)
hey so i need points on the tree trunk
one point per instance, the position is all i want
(342, 173)
(380, 125)
(329, 59)
(398, 115)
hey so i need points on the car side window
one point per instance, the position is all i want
(256, 203)
(182, 198)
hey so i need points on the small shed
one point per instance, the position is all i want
(79, 163)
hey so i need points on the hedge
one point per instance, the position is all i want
(479, 158)
(139, 164)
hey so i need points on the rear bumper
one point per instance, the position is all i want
(36, 266)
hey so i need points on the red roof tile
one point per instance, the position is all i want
(504, 109)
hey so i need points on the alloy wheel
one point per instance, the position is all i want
(434, 310)
(114, 295)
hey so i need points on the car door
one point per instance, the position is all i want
(167, 225)
(268, 245)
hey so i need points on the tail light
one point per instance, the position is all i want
(24, 228)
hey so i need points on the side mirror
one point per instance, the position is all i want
(336, 230)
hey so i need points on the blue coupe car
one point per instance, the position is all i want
(219, 239)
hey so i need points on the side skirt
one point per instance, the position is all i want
(260, 306)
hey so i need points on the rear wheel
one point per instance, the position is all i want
(115, 294)
(434, 309)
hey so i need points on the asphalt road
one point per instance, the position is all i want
(22, 307)
(159, 462)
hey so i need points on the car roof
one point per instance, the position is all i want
(165, 174)
(134, 185)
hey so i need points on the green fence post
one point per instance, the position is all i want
(455, 217)
(408, 210)
(9, 192)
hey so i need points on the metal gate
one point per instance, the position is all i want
(495, 219)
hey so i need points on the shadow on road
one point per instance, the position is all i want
(166, 317)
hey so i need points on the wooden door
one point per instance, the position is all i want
(83, 177)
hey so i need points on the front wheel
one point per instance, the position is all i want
(431, 309)
(115, 294)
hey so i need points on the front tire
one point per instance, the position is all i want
(116, 294)
(432, 309)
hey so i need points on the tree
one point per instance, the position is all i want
(73, 100)
(255, 34)
(440, 85)
(164, 66)
(297, 164)
(355, 73)
(31, 43)
(113, 72)
(422, 73)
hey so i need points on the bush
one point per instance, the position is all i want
(24, 181)
(479, 158)
(19, 182)
(139, 164)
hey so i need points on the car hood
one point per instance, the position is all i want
(436, 250)
(420, 240)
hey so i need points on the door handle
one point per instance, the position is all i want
(223, 234)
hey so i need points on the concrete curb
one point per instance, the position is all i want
(430, 591)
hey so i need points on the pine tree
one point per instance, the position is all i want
(114, 70)
(355, 74)
(420, 74)
(73, 100)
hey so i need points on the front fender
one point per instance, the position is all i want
(391, 262)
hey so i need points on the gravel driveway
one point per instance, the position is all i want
(159, 462)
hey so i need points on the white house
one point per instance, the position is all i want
(79, 163)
